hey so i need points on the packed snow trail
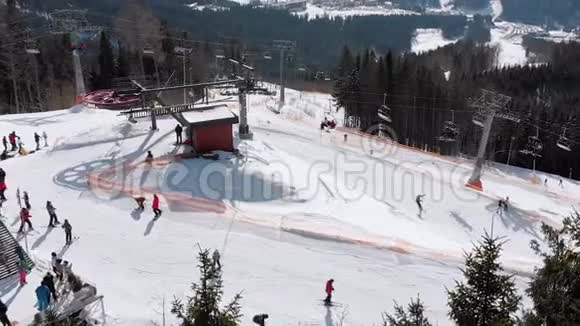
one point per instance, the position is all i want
(279, 250)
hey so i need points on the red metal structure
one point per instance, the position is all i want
(111, 99)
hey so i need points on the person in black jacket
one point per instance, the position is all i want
(67, 231)
(37, 140)
(52, 214)
(26, 200)
(178, 132)
(48, 280)
(3, 317)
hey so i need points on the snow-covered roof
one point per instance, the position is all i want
(211, 116)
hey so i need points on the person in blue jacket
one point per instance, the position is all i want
(43, 297)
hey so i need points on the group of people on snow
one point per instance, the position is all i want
(46, 292)
(16, 144)
(154, 205)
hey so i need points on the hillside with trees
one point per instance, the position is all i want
(424, 91)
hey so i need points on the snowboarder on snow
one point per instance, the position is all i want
(149, 157)
(67, 231)
(141, 202)
(419, 201)
(561, 183)
(43, 297)
(155, 206)
(178, 131)
(5, 143)
(26, 200)
(37, 140)
(3, 317)
(25, 219)
(52, 214)
(506, 203)
(45, 137)
(329, 289)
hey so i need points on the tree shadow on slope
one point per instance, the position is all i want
(42, 238)
(76, 177)
(457, 217)
(515, 219)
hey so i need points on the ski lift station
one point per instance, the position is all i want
(211, 129)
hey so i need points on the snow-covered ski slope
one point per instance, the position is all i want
(300, 207)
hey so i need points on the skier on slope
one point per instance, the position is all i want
(26, 200)
(67, 231)
(155, 206)
(25, 219)
(22, 271)
(419, 201)
(500, 206)
(3, 315)
(37, 140)
(18, 197)
(52, 214)
(329, 289)
(5, 143)
(45, 136)
(141, 202)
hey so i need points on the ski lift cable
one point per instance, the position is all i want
(549, 131)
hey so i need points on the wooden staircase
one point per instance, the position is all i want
(8, 254)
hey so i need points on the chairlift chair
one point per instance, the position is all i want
(478, 119)
(384, 112)
(534, 146)
(563, 142)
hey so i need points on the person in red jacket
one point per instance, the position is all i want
(329, 289)
(12, 140)
(25, 219)
(155, 206)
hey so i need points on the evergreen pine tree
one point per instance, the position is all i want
(555, 289)
(488, 296)
(203, 308)
(413, 316)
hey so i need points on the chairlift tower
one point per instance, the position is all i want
(72, 22)
(490, 105)
(283, 46)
